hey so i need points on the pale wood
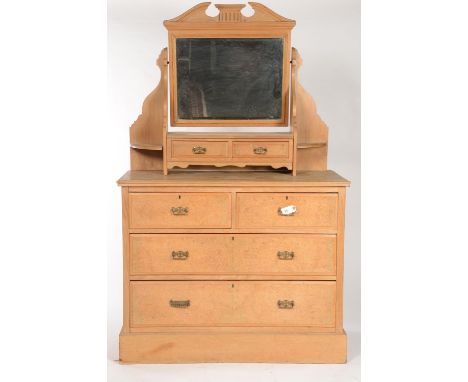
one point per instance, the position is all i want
(228, 255)
(340, 258)
(147, 132)
(229, 150)
(274, 149)
(207, 179)
(243, 276)
(230, 23)
(314, 210)
(183, 149)
(311, 133)
(147, 159)
(233, 276)
(300, 346)
(153, 210)
(232, 232)
(232, 303)
(125, 261)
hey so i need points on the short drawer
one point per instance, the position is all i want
(261, 149)
(292, 210)
(198, 150)
(180, 210)
(232, 303)
(240, 254)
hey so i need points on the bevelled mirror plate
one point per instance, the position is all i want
(229, 78)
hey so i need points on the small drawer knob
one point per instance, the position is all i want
(199, 150)
(179, 210)
(179, 303)
(180, 255)
(285, 304)
(285, 255)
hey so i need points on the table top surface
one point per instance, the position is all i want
(230, 178)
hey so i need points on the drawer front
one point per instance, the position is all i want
(199, 150)
(292, 210)
(180, 254)
(285, 254)
(180, 210)
(216, 254)
(232, 303)
(260, 149)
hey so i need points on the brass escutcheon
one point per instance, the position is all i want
(179, 210)
(285, 255)
(285, 304)
(180, 255)
(199, 150)
(260, 150)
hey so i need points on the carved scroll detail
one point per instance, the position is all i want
(228, 13)
(149, 130)
(310, 132)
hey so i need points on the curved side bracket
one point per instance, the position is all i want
(148, 132)
(310, 132)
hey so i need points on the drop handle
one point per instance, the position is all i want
(285, 304)
(287, 211)
(179, 303)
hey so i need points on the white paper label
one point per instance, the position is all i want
(288, 210)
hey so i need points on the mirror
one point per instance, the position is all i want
(229, 78)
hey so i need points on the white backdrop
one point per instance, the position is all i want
(327, 34)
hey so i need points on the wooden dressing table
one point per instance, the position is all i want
(233, 242)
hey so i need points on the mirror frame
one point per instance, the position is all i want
(230, 23)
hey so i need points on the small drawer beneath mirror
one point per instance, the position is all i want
(261, 150)
(195, 150)
(239, 149)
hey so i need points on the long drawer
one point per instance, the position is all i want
(275, 254)
(180, 210)
(232, 303)
(287, 210)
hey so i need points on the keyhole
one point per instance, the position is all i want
(232, 285)
(233, 238)
(179, 196)
(287, 197)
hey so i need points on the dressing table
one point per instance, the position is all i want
(233, 227)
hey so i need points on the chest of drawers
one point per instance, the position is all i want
(233, 267)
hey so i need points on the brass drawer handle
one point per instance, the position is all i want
(179, 303)
(287, 211)
(285, 255)
(285, 304)
(179, 255)
(179, 210)
(260, 150)
(199, 150)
